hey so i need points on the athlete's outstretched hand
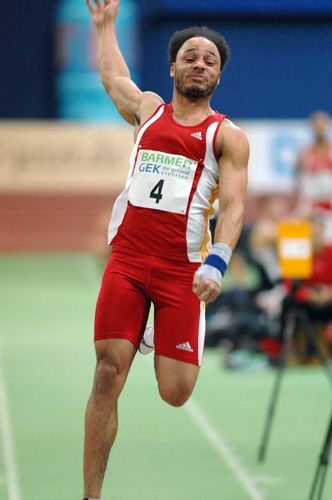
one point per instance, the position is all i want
(205, 289)
(102, 11)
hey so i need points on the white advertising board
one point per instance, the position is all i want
(274, 146)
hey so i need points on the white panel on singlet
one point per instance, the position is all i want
(121, 203)
(201, 334)
(197, 226)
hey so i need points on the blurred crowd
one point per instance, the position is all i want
(248, 319)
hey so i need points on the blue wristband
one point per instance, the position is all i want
(217, 262)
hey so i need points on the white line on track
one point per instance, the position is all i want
(11, 479)
(214, 436)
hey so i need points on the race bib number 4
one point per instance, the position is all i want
(162, 181)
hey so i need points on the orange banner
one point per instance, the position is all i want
(295, 249)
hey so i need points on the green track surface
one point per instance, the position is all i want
(46, 322)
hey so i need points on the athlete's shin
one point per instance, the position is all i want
(100, 426)
(100, 433)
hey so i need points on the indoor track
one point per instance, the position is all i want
(204, 451)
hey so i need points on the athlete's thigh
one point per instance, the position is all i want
(122, 306)
(179, 319)
(117, 353)
(174, 375)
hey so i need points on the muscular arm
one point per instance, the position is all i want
(232, 184)
(114, 72)
(115, 75)
(232, 192)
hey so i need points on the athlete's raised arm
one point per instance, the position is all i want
(113, 69)
(233, 166)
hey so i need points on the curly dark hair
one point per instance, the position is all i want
(179, 37)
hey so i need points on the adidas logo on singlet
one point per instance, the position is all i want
(198, 135)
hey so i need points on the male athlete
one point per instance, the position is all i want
(314, 169)
(185, 156)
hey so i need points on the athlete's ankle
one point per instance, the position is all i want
(91, 498)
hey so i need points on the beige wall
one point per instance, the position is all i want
(55, 156)
(58, 182)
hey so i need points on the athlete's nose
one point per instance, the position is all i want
(199, 65)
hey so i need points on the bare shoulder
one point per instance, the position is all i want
(232, 139)
(148, 105)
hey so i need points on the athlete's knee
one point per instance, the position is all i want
(175, 395)
(106, 378)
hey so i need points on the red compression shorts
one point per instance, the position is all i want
(130, 283)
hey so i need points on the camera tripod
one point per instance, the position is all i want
(320, 474)
(296, 316)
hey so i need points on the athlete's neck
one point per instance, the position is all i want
(321, 145)
(187, 112)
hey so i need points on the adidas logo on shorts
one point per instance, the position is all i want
(185, 347)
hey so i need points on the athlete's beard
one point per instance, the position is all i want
(193, 92)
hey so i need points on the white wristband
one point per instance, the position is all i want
(223, 251)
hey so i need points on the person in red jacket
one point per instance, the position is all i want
(313, 191)
(314, 168)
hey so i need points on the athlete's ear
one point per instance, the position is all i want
(219, 79)
(172, 70)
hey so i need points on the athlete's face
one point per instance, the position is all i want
(320, 125)
(196, 70)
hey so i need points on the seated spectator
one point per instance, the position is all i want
(262, 251)
(233, 320)
(315, 293)
(263, 237)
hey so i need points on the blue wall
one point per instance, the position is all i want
(279, 68)
(80, 93)
(26, 59)
(281, 63)
(237, 7)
